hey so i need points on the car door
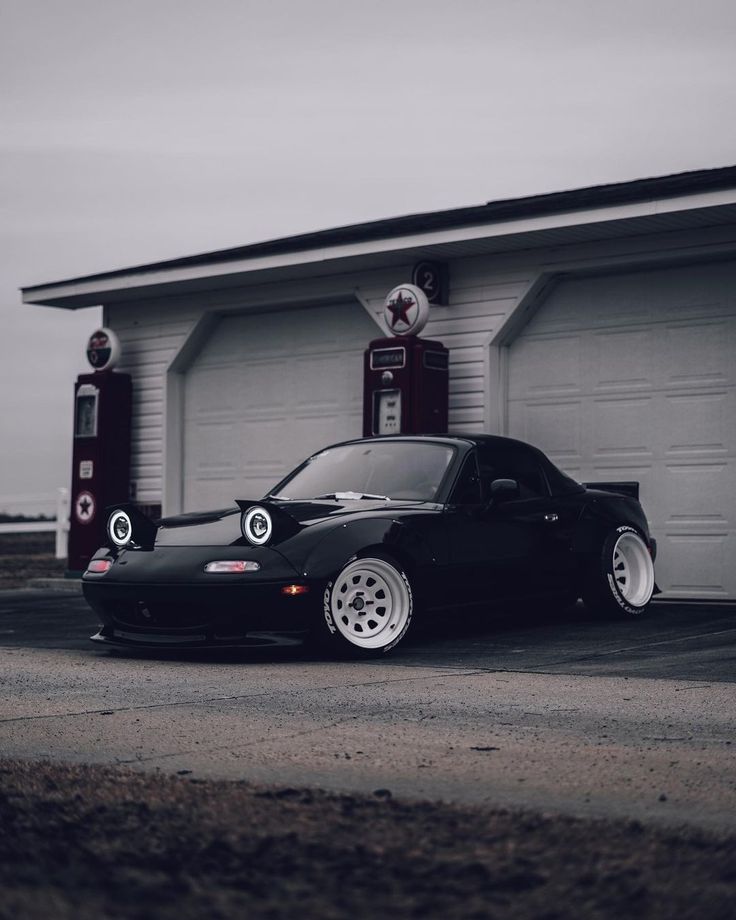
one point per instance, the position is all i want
(486, 548)
(538, 523)
(515, 546)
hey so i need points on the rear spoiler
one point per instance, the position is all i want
(621, 488)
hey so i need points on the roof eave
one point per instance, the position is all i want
(254, 261)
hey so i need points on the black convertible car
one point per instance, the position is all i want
(364, 534)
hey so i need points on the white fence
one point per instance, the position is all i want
(40, 503)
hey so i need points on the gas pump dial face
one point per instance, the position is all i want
(388, 412)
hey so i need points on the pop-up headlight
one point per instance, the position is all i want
(120, 528)
(256, 525)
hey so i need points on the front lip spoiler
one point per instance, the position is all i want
(256, 639)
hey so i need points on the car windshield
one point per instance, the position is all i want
(380, 469)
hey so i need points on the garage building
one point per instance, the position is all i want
(599, 324)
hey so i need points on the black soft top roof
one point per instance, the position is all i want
(560, 483)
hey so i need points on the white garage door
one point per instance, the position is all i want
(266, 390)
(634, 377)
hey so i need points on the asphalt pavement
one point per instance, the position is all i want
(675, 640)
(630, 718)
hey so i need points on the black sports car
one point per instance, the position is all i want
(364, 534)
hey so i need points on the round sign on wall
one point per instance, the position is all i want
(103, 349)
(406, 310)
(428, 276)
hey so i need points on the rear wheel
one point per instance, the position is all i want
(623, 581)
(367, 608)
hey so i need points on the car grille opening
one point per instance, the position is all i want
(145, 614)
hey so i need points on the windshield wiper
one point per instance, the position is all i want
(351, 496)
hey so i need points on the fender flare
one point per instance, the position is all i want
(597, 521)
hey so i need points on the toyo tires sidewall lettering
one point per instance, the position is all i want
(607, 563)
(327, 609)
(326, 598)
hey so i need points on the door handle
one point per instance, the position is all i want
(551, 517)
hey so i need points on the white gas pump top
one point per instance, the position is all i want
(406, 310)
(103, 349)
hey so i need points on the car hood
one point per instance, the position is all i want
(222, 528)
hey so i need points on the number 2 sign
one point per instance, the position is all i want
(431, 277)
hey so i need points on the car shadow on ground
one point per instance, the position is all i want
(489, 626)
(527, 637)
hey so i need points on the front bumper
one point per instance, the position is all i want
(164, 598)
(193, 615)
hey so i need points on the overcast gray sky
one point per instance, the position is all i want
(140, 130)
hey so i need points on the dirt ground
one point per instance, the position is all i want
(93, 842)
(28, 555)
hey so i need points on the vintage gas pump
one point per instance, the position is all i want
(101, 455)
(406, 378)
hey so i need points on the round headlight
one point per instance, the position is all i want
(120, 528)
(257, 525)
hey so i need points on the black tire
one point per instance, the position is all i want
(367, 608)
(621, 580)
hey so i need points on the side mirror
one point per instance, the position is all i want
(503, 489)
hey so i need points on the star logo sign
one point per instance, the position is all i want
(84, 507)
(399, 308)
(405, 310)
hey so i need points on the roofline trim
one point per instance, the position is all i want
(596, 204)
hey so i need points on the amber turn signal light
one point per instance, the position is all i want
(293, 590)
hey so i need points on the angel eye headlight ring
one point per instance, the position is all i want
(120, 528)
(257, 525)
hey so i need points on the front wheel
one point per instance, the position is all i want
(623, 580)
(367, 608)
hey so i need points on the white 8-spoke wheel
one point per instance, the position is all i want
(633, 569)
(368, 607)
(625, 581)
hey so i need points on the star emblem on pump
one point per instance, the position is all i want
(399, 308)
(405, 310)
(84, 507)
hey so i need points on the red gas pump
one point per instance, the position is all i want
(405, 378)
(101, 454)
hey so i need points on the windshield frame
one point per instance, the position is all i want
(448, 475)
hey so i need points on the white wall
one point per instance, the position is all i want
(484, 292)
